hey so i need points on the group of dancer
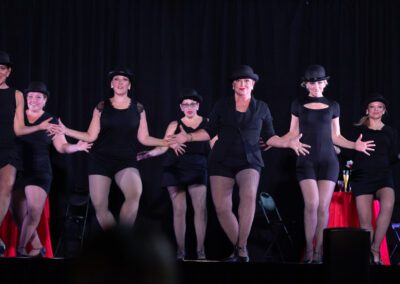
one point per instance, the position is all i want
(223, 148)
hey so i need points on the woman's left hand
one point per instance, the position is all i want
(364, 146)
(298, 147)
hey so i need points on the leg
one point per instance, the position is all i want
(130, 184)
(198, 194)
(309, 189)
(99, 188)
(247, 181)
(7, 179)
(178, 199)
(325, 191)
(364, 204)
(386, 198)
(35, 200)
(221, 192)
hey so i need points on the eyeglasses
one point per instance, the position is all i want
(191, 105)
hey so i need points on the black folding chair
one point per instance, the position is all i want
(275, 225)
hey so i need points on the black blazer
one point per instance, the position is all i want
(223, 122)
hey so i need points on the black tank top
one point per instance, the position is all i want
(7, 113)
(118, 131)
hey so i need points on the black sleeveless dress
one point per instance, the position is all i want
(189, 168)
(115, 147)
(33, 150)
(316, 126)
(371, 173)
(8, 154)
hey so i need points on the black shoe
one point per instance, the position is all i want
(243, 258)
(2, 249)
(41, 253)
(307, 261)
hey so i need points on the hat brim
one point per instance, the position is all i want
(112, 74)
(198, 99)
(8, 64)
(315, 79)
(244, 76)
(376, 99)
(46, 93)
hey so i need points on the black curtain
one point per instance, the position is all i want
(174, 44)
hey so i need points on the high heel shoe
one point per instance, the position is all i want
(180, 256)
(201, 255)
(308, 257)
(3, 248)
(373, 253)
(41, 252)
(242, 258)
(317, 258)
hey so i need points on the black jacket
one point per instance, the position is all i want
(223, 122)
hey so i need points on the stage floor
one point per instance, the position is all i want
(60, 271)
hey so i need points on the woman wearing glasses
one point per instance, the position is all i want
(186, 173)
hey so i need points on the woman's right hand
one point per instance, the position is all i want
(143, 155)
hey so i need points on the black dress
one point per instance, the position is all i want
(34, 152)
(316, 127)
(115, 147)
(371, 173)
(8, 153)
(189, 168)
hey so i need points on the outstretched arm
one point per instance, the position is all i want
(62, 146)
(290, 139)
(358, 145)
(143, 134)
(157, 151)
(88, 136)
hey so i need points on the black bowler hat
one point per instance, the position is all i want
(5, 59)
(314, 73)
(123, 71)
(243, 71)
(37, 86)
(190, 94)
(375, 97)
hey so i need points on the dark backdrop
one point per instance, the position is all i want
(170, 45)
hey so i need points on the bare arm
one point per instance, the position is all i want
(62, 146)
(143, 134)
(358, 145)
(91, 134)
(291, 139)
(157, 151)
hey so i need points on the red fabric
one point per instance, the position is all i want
(9, 232)
(343, 213)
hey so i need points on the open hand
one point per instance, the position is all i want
(298, 147)
(364, 146)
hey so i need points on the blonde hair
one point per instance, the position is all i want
(363, 121)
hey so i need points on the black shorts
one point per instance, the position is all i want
(9, 156)
(41, 180)
(104, 166)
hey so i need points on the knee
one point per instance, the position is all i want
(180, 209)
(311, 207)
(222, 209)
(6, 185)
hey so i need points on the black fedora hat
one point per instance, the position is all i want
(375, 97)
(37, 86)
(5, 59)
(314, 73)
(123, 71)
(243, 71)
(190, 94)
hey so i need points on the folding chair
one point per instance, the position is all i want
(396, 229)
(275, 224)
(75, 222)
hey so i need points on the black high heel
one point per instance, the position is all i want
(41, 252)
(242, 258)
(3, 248)
(317, 258)
(308, 260)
